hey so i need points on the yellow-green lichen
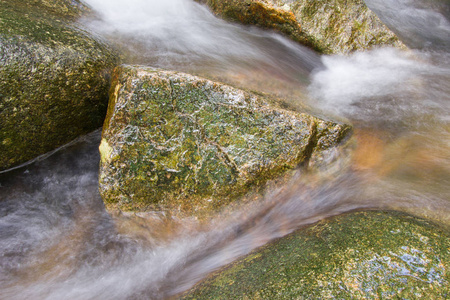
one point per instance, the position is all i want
(105, 151)
(331, 26)
(54, 78)
(364, 255)
(177, 137)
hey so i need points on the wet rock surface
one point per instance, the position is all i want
(364, 255)
(326, 26)
(54, 78)
(180, 142)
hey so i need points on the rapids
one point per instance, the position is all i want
(59, 242)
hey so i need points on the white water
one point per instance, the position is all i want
(384, 85)
(185, 36)
(58, 242)
(178, 32)
(421, 24)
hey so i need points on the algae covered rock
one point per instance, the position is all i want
(365, 255)
(68, 9)
(266, 15)
(177, 141)
(330, 26)
(54, 78)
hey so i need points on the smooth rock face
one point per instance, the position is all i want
(330, 26)
(177, 141)
(365, 255)
(54, 78)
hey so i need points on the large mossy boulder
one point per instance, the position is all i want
(177, 141)
(329, 26)
(54, 78)
(365, 255)
(67, 9)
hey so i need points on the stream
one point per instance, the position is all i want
(59, 242)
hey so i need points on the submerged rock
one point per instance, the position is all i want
(54, 78)
(177, 141)
(326, 26)
(365, 255)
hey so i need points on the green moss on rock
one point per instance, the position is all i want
(331, 26)
(67, 9)
(365, 255)
(262, 14)
(173, 140)
(54, 78)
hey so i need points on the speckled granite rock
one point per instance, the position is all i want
(67, 9)
(365, 255)
(177, 141)
(330, 26)
(54, 78)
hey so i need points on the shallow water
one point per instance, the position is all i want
(58, 242)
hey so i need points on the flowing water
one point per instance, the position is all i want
(58, 242)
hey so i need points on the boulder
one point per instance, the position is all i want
(54, 78)
(364, 255)
(177, 141)
(67, 9)
(330, 26)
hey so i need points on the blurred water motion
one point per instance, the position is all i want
(58, 242)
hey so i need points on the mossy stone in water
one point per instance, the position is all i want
(364, 255)
(67, 9)
(54, 78)
(329, 26)
(263, 14)
(180, 142)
